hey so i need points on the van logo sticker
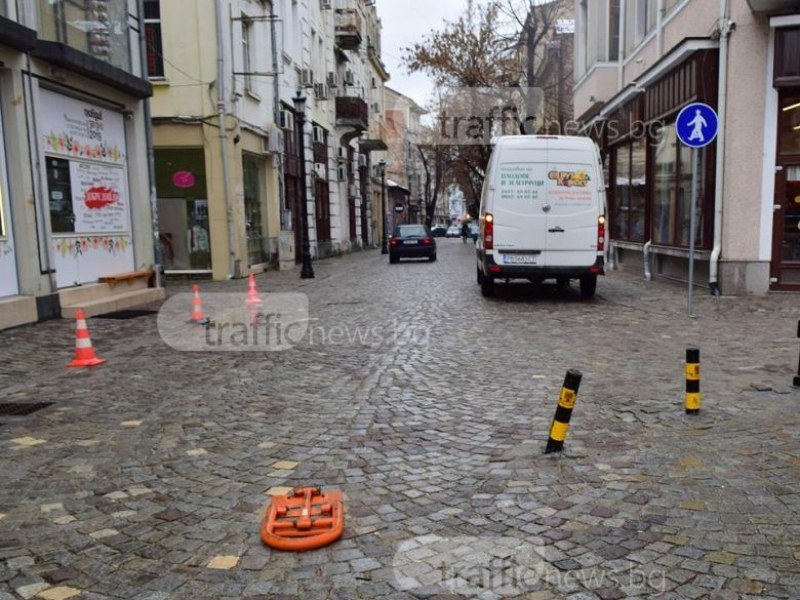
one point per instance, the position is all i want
(579, 178)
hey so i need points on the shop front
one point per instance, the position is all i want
(650, 171)
(85, 160)
(183, 225)
(9, 281)
(785, 264)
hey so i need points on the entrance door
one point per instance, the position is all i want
(786, 233)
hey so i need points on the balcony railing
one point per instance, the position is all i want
(352, 112)
(348, 28)
(96, 27)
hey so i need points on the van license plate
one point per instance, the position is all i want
(519, 259)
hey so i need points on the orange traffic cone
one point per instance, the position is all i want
(84, 353)
(197, 307)
(252, 292)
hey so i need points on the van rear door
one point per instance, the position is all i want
(572, 210)
(520, 222)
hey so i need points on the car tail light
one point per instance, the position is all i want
(427, 241)
(601, 233)
(393, 241)
(488, 231)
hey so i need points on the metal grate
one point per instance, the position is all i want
(126, 314)
(20, 409)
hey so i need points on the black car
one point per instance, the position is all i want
(411, 241)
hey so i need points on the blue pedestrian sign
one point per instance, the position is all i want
(697, 125)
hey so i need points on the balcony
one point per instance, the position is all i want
(352, 112)
(348, 28)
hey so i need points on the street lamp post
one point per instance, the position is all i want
(382, 165)
(307, 271)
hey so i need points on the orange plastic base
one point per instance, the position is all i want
(304, 519)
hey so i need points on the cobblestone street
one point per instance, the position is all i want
(147, 477)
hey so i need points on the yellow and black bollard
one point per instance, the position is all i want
(797, 378)
(566, 402)
(692, 381)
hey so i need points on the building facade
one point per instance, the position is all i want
(637, 64)
(73, 163)
(230, 79)
(405, 168)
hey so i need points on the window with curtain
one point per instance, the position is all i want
(247, 64)
(152, 34)
(628, 221)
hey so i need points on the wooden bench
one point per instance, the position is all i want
(113, 280)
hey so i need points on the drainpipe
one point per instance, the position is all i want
(223, 138)
(148, 136)
(646, 260)
(659, 27)
(724, 33)
(621, 50)
(276, 109)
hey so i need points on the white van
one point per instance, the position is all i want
(542, 212)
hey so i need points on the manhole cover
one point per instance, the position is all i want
(20, 409)
(126, 314)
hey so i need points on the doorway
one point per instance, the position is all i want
(786, 247)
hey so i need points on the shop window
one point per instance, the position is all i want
(96, 27)
(628, 219)
(787, 49)
(59, 188)
(183, 222)
(258, 251)
(673, 191)
(622, 193)
(664, 186)
(789, 133)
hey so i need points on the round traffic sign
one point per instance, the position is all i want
(697, 125)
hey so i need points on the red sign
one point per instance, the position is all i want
(183, 179)
(98, 197)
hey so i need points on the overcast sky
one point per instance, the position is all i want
(405, 22)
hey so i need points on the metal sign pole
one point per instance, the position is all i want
(692, 228)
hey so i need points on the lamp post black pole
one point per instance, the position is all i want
(307, 271)
(384, 247)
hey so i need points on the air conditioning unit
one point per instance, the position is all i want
(319, 170)
(333, 79)
(343, 153)
(349, 78)
(362, 160)
(321, 91)
(286, 120)
(318, 134)
(274, 141)
(306, 78)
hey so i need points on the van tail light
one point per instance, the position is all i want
(488, 231)
(601, 233)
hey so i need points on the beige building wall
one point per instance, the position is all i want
(749, 160)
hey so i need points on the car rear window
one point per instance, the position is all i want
(410, 231)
